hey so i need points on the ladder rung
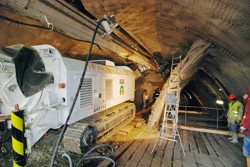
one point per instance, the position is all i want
(168, 139)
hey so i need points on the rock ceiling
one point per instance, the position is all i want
(148, 29)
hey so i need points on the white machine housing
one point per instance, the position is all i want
(103, 87)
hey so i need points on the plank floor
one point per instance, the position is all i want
(201, 150)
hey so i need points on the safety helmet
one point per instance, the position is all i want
(231, 97)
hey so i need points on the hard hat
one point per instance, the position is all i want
(231, 97)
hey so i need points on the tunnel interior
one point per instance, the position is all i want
(149, 35)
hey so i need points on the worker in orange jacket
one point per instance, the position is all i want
(145, 98)
(245, 127)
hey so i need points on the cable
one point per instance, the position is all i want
(98, 146)
(67, 157)
(46, 28)
(84, 157)
(75, 98)
(96, 157)
(42, 27)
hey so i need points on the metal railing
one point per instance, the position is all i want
(203, 117)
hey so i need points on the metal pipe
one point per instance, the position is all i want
(217, 119)
(185, 115)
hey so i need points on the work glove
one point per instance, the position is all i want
(242, 128)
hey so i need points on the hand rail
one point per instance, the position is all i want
(203, 114)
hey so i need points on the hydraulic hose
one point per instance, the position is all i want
(85, 156)
(75, 98)
(67, 157)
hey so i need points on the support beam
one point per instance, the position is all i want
(190, 64)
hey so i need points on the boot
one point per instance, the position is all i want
(248, 162)
(230, 136)
(235, 138)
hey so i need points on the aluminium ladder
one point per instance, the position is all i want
(169, 129)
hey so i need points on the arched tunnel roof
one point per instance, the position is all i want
(149, 34)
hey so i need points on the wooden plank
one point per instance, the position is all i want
(217, 162)
(234, 147)
(216, 146)
(134, 160)
(159, 152)
(201, 145)
(185, 140)
(235, 154)
(168, 154)
(178, 144)
(208, 145)
(147, 156)
(189, 160)
(128, 154)
(203, 160)
(177, 158)
(192, 142)
(228, 162)
(214, 131)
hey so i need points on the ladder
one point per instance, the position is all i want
(169, 130)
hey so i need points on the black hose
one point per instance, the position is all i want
(75, 98)
(96, 157)
(98, 146)
(84, 157)
(67, 157)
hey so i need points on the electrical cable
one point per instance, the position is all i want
(75, 98)
(84, 157)
(98, 146)
(67, 157)
(96, 157)
(46, 28)
(42, 27)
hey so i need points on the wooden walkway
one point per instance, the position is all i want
(201, 149)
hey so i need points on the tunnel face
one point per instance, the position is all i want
(149, 34)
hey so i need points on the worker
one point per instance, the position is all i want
(234, 116)
(245, 98)
(145, 98)
(156, 94)
(245, 127)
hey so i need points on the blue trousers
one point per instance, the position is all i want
(233, 127)
(246, 146)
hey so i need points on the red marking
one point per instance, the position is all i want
(16, 107)
(62, 85)
(46, 133)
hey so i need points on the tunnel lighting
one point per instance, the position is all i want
(220, 89)
(219, 102)
(109, 24)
